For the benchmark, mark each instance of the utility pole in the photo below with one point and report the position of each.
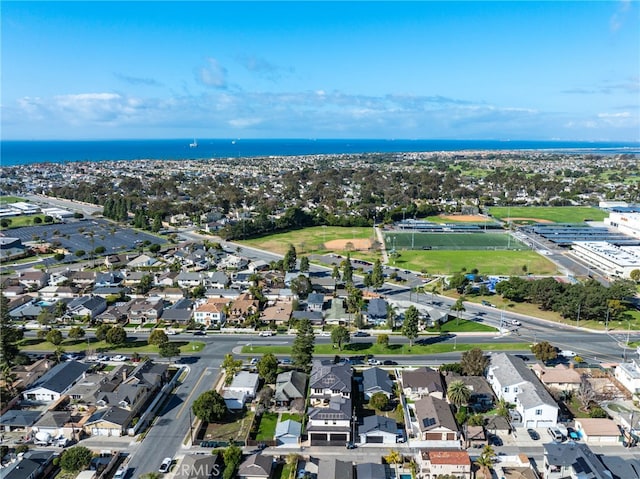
(578, 318)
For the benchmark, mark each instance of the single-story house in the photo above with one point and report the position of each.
(423, 382)
(378, 430)
(376, 380)
(370, 470)
(288, 432)
(52, 385)
(290, 385)
(598, 431)
(256, 466)
(200, 466)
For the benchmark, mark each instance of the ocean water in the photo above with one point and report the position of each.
(27, 152)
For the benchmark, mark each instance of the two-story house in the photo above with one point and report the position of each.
(423, 382)
(145, 310)
(513, 381)
(211, 313)
(436, 421)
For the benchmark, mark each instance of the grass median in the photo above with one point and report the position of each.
(392, 349)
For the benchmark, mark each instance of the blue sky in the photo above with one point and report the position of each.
(476, 70)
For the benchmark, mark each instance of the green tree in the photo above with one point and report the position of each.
(301, 286)
(473, 362)
(59, 256)
(367, 281)
(75, 459)
(145, 284)
(101, 331)
(347, 270)
(155, 248)
(303, 344)
(268, 368)
(340, 336)
(158, 337)
(231, 367)
(544, 351)
(9, 334)
(377, 275)
(80, 253)
(635, 275)
(458, 307)
(379, 401)
(304, 264)
(232, 456)
(410, 324)
(209, 406)
(391, 316)
(290, 259)
(383, 340)
(335, 273)
(458, 393)
(76, 333)
(485, 461)
(116, 335)
(54, 337)
(169, 350)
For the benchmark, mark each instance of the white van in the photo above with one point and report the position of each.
(120, 473)
(555, 434)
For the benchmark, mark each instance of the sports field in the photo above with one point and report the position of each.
(555, 214)
(4, 200)
(317, 239)
(452, 241)
(487, 262)
(466, 219)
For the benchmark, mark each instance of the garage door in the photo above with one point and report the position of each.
(545, 424)
(318, 439)
(374, 439)
(339, 438)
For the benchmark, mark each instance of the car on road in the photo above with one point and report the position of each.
(285, 361)
(266, 333)
(103, 357)
(484, 302)
(389, 362)
(533, 434)
(119, 358)
(515, 322)
(199, 333)
(253, 361)
(567, 354)
(374, 362)
(166, 465)
(323, 333)
(350, 445)
(361, 334)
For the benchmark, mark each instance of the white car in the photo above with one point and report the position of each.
(266, 333)
(166, 465)
(324, 333)
(374, 362)
(515, 322)
(567, 354)
(119, 358)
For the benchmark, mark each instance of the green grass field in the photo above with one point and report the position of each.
(5, 200)
(556, 214)
(453, 241)
(487, 262)
(308, 240)
(452, 219)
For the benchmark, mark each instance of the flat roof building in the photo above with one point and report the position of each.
(615, 261)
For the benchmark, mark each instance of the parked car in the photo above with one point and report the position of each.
(253, 361)
(533, 434)
(374, 362)
(567, 354)
(351, 445)
(166, 465)
(285, 361)
(361, 334)
(555, 434)
(119, 358)
(199, 333)
(266, 333)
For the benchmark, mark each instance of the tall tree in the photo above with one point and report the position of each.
(116, 335)
(268, 368)
(290, 259)
(232, 456)
(304, 264)
(76, 333)
(339, 336)
(209, 406)
(347, 270)
(231, 367)
(169, 350)
(544, 351)
(75, 459)
(377, 275)
(410, 325)
(473, 362)
(157, 337)
(54, 337)
(458, 307)
(458, 393)
(9, 334)
(302, 349)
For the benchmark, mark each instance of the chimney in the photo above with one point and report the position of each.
(124, 374)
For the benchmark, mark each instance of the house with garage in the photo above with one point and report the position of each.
(328, 380)
(315, 302)
(145, 310)
(85, 307)
(278, 313)
(181, 312)
(628, 374)
(243, 388)
(376, 312)
(378, 430)
(256, 466)
(559, 378)
(34, 280)
(513, 381)
(218, 280)
(189, 280)
(112, 421)
(422, 382)
(108, 280)
(436, 421)
(332, 468)
(33, 465)
(482, 397)
(572, 460)
(291, 389)
(598, 431)
(52, 385)
(434, 464)
(288, 432)
(331, 424)
(376, 380)
(211, 313)
(370, 470)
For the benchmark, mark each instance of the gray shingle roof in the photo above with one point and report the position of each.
(61, 376)
(376, 379)
(422, 378)
(290, 385)
(433, 412)
(370, 470)
(336, 377)
(378, 423)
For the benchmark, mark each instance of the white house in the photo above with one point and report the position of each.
(628, 374)
(598, 431)
(378, 430)
(288, 432)
(243, 388)
(211, 313)
(52, 385)
(514, 382)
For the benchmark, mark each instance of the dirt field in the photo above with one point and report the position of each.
(465, 218)
(341, 244)
(538, 220)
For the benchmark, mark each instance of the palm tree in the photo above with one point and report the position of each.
(484, 462)
(395, 458)
(458, 393)
(503, 408)
(458, 307)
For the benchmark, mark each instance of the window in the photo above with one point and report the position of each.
(538, 412)
(506, 389)
(515, 389)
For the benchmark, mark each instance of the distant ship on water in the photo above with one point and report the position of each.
(194, 144)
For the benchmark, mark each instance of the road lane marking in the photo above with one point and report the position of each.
(204, 374)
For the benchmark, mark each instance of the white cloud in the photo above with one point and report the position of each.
(213, 74)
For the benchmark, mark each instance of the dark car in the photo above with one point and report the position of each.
(351, 445)
(388, 362)
(533, 434)
(361, 334)
(199, 333)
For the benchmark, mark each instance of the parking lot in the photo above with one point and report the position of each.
(84, 234)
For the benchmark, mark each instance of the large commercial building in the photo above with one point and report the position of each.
(614, 261)
(627, 223)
